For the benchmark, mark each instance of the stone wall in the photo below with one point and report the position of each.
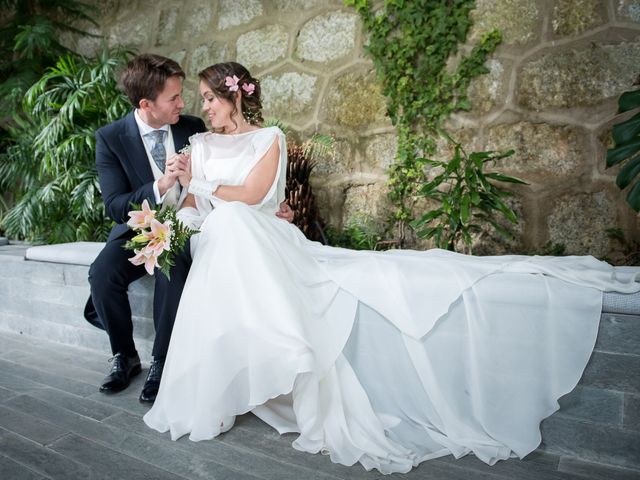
(550, 95)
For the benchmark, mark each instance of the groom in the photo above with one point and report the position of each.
(136, 160)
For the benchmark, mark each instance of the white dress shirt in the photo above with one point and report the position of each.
(171, 196)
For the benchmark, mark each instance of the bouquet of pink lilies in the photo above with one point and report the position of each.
(160, 236)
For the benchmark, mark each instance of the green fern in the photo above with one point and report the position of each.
(52, 174)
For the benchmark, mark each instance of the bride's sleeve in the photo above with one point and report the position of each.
(262, 144)
(193, 217)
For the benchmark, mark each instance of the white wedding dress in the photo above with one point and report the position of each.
(383, 358)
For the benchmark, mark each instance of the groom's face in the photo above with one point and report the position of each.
(166, 108)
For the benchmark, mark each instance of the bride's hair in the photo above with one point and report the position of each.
(216, 77)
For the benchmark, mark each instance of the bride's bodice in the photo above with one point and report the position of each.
(230, 159)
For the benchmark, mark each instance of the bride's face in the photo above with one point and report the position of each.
(218, 109)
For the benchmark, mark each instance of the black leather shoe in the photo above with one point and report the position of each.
(152, 383)
(122, 371)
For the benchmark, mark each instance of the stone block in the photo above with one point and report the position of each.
(47, 378)
(579, 222)
(35, 429)
(354, 100)
(6, 394)
(288, 94)
(76, 275)
(167, 24)
(490, 90)
(380, 151)
(613, 371)
(204, 56)
(102, 459)
(628, 10)
(572, 17)
(43, 460)
(195, 20)
(293, 5)
(631, 419)
(132, 29)
(591, 442)
(593, 404)
(4, 241)
(262, 47)
(224, 453)
(580, 77)
(91, 338)
(542, 151)
(40, 272)
(237, 12)
(327, 37)
(368, 206)
(518, 20)
(23, 291)
(340, 163)
(619, 334)
(15, 470)
(535, 466)
(595, 471)
(330, 200)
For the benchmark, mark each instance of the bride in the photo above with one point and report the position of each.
(383, 358)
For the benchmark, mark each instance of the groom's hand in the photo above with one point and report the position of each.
(285, 212)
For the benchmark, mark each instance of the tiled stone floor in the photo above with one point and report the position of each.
(54, 424)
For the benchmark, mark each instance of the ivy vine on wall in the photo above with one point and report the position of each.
(412, 44)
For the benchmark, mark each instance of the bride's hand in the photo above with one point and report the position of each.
(285, 212)
(180, 166)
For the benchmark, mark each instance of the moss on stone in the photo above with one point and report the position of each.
(571, 17)
(518, 20)
(355, 101)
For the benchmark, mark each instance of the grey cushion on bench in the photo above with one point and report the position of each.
(76, 253)
(83, 253)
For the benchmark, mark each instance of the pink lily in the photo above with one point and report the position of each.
(159, 237)
(141, 218)
(248, 88)
(232, 83)
(147, 258)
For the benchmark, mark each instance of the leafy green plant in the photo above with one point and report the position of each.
(467, 197)
(412, 45)
(30, 42)
(626, 150)
(56, 187)
(360, 233)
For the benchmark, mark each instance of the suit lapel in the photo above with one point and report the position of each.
(180, 134)
(134, 149)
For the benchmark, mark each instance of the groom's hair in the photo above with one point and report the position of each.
(144, 76)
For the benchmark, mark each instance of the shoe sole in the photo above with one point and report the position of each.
(135, 371)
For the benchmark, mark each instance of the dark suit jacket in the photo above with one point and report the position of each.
(123, 166)
(125, 174)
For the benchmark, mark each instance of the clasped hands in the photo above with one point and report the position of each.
(178, 168)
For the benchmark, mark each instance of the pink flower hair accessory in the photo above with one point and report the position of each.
(232, 83)
(249, 88)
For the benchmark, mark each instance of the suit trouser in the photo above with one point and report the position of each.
(109, 277)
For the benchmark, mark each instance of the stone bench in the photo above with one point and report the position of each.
(43, 291)
(83, 253)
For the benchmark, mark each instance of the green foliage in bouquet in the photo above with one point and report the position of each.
(50, 171)
(467, 198)
(626, 151)
(161, 236)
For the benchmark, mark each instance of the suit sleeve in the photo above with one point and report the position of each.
(117, 192)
